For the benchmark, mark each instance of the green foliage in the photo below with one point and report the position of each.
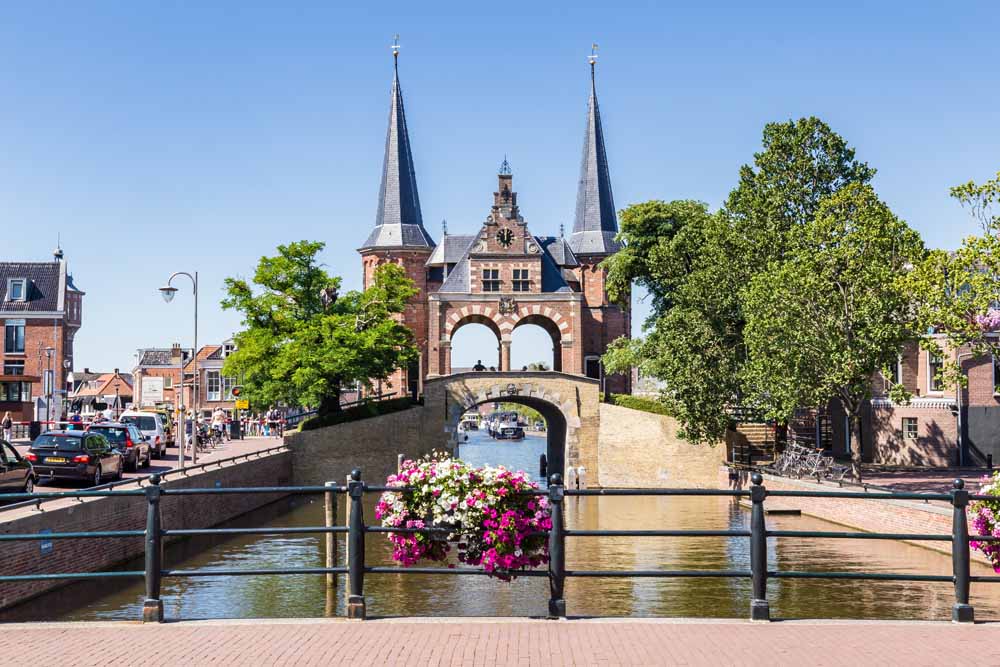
(820, 324)
(958, 294)
(641, 403)
(698, 267)
(530, 414)
(303, 341)
(357, 412)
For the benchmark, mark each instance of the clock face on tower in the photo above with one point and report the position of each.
(505, 237)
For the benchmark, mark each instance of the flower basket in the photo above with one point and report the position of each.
(492, 519)
(984, 517)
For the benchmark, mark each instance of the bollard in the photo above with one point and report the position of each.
(356, 548)
(399, 463)
(759, 609)
(152, 606)
(543, 467)
(557, 549)
(962, 611)
(330, 507)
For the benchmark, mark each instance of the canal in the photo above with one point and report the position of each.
(425, 595)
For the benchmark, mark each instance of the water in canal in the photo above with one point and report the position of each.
(419, 595)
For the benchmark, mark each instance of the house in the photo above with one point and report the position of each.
(157, 374)
(41, 311)
(214, 388)
(113, 390)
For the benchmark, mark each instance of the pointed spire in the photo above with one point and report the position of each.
(596, 223)
(398, 223)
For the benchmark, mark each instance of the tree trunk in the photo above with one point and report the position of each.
(330, 403)
(855, 425)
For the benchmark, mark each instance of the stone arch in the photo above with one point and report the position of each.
(476, 318)
(569, 403)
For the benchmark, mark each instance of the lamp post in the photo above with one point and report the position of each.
(168, 291)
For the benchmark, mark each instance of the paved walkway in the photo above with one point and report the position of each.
(500, 642)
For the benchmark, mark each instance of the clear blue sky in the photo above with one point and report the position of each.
(160, 136)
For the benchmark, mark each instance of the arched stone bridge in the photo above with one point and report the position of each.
(569, 403)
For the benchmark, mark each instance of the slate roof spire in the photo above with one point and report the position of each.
(596, 222)
(398, 222)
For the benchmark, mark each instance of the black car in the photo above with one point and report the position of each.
(16, 474)
(79, 455)
(127, 439)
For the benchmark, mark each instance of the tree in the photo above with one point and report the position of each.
(958, 293)
(303, 341)
(821, 324)
(698, 265)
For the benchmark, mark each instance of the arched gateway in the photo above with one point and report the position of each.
(569, 403)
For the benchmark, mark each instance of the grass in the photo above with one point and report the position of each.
(641, 403)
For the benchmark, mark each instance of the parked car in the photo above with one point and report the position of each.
(127, 439)
(151, 424)
(16, 473)
(76, 455)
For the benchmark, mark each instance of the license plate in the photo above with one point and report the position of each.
(55, 459)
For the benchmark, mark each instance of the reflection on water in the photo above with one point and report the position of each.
(425, 595)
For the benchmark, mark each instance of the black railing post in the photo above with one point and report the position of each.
(759, 609)
(962, 611)
(356, 548)
(557, 548)
(152, 607)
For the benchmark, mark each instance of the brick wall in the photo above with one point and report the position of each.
(641, 449)
(126, 513)
(329, 454)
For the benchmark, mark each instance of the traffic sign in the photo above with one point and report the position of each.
(243, 404)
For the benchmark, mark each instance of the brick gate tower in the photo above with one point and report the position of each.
(503, 276)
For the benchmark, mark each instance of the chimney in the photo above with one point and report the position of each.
(175, 351)
(86, 370)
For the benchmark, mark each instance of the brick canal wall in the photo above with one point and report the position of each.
(873, 516)
(125, 513)
(329, 454)
(641, 449)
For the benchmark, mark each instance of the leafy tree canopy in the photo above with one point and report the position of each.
(303, 341)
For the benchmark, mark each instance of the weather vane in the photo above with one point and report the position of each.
(593, 54)
(395, 46)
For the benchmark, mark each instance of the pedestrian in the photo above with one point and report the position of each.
(479, 366)
(8, 427)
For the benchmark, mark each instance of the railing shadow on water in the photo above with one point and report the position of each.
(356, 530)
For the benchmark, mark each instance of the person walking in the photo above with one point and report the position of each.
(8, 427)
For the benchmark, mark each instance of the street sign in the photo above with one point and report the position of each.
(45, 546)
(243, 404)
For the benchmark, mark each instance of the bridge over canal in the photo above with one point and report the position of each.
(569, 403)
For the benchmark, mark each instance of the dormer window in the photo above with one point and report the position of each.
(17, 289)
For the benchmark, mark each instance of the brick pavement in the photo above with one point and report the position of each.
(500, 642)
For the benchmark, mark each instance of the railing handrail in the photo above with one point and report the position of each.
(356, 529)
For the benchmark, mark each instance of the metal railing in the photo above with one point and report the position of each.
(556, 572)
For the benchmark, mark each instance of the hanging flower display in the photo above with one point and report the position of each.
(984, 516)
(484, 511)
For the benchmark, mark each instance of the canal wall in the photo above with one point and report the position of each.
(642, 449)
(125, 513)
(329, 454)
(872, 516)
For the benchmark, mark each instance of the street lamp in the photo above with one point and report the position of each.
(168, 291)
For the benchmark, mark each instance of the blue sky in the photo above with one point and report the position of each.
(163, 136)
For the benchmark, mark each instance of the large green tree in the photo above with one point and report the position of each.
(822, 323)
(698, 266)
(303, 341)
(958, 293)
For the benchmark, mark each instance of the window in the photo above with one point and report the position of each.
(13, 368)
(213, 387)
(227, 387)
(592, 367)
(934, 364)
(17, 289)
(996, 375)
(228, 349)
(168, 382)
(13, 337)
(521, 281)
(491, 280)
(909, 428)
(15, 392)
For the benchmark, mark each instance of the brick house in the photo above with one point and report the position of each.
(91, 390)
(504, 276)
(41, 311)
(214, 388)
(157, 374)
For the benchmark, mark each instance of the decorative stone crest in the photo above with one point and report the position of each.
(508, 306)
(512, 389)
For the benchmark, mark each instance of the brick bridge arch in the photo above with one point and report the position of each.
(569, 403)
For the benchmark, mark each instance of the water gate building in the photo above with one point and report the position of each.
(505, 276)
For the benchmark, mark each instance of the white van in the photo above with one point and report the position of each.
(151, 425)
